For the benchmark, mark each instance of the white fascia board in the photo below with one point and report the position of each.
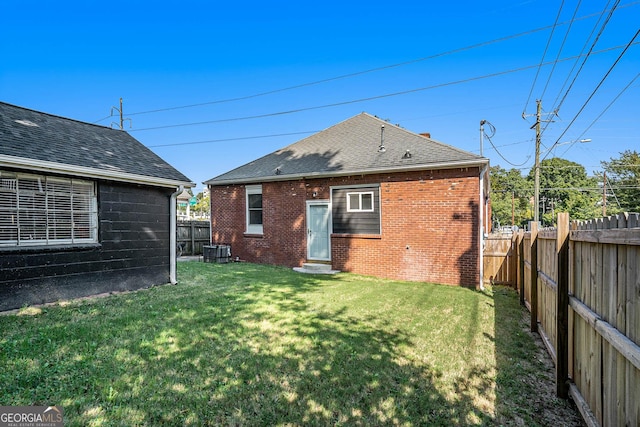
(85, 172)
(432, 166)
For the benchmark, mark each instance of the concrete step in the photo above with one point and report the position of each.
(315, 268)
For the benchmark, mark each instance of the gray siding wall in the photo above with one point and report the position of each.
(132, 252)
(345, 222)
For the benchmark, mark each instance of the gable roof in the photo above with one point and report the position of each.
(39, 141)
(351, 147)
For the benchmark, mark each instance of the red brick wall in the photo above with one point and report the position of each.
(283, 241)
(429, 226)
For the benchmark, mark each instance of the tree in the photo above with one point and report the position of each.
(565, 187)
(510, 197)
(623, 176)
(202, 206)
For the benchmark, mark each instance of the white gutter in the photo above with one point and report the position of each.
(115, 175)
(210, 219)
(173, 235)
(481, 214)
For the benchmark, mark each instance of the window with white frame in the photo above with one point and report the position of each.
(45, 210)
(360, 201)
(254, 209)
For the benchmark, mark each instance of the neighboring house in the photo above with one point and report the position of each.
(362, 196)
(183, 203)
(84, 209)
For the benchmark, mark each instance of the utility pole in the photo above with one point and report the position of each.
(536, 182)
(536, 179)
(513, 208)
(604, 194)
(482, 122)
(122, 119)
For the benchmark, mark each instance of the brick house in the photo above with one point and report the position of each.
(362, 196)
(84, 209)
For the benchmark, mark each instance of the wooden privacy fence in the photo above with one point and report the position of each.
(499, 261)
(193, 235)
(581, 283)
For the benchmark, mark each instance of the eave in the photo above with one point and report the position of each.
(313, 175)
(85, 172)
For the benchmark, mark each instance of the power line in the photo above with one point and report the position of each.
(349, 75)
(493, 132)
(586, 42)
(233, 139)
(605, 110)
(593, 45)
(564, 40)
(355, 101)
(631, 42)
(542, 59)
(508, 145)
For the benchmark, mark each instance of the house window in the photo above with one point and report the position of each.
(254, 209)
(360, 202)
(44, 210)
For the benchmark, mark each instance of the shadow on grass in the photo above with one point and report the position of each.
(525, 387)
(229, 347)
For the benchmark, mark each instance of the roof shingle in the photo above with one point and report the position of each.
(352, 146)
(63, 142)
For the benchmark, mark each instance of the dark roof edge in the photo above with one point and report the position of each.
(448, 165)
(44, 166)
(44, 113)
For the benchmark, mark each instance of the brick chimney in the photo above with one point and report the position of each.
(426, 134)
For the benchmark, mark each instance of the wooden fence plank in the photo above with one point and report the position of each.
(629, 349)
(614, 237)
(534, 276)
(595, 369)
(586, 274)
(521, 265)
(562, 306)
(609, 283)
(610, 387)
(633, 333)
(633, 294)
(499, 260)
(632, 400)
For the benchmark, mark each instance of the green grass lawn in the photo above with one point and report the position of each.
(243, 344)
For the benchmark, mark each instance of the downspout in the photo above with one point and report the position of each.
(481, 209)
(173, 214)
(210, 219)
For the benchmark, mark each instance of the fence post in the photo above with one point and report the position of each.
(562, 316)
(534, 276)
(521, 265)
(193, 238)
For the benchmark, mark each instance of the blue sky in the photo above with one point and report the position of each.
(438, 67)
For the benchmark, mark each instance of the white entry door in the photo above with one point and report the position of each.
(318, 231)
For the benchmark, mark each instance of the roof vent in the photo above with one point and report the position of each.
(406, 155)
(27, 123)
(381, 147)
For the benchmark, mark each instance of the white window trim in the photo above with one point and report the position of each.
(253, 228)
(49, 241)
(359, 208)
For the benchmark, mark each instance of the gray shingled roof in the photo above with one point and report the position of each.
(40, 140)
(350, 147)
